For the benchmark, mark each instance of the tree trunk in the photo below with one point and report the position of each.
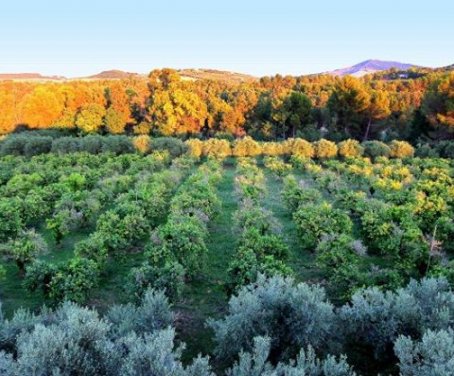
(366, 135)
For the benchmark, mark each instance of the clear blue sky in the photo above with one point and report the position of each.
(81, 37)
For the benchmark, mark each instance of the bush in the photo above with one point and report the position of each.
(174, 146)
(292, 315)
(217, 148)
(432, 355)
(325, 149)
(169, 278)
(315, 220)
(255, 363)
(374, 319)
(14, 145)
(401, 149)
(246, 147)
(375, 149)
(142, 143)
(65, 145)
(195, 147)
(92, 144)
(38, 145)
(117, 145)
(74, 280)
(350, 148)
(426, 151)
(445, 149)
(299, 147)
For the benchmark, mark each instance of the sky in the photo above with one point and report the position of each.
(76, 38)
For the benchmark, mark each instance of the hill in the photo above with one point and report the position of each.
(29, 77)
(113, 74)
(370, 66)
(215, 75)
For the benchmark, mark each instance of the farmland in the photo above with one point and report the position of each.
(327, 227)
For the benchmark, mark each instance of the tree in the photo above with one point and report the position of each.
(295, 109)
(438, 106)
(90, 118)
(113, 122)
(349, 102)
(379, 108)
(25, 248)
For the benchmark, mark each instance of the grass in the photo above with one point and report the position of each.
(206, 296)
(301, 261)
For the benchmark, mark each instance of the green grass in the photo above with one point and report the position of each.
(300, 260)
(206, 296)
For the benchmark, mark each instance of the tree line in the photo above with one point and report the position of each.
(311, 107)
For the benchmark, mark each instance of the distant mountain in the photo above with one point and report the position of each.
(29, 77)
(370, 66)
(113, 74)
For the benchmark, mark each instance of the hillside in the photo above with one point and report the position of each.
(28, 77)
(113, 74)
(216, 75)
(370, 66)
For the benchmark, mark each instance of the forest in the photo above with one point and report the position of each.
(151, 255)
(415, 105)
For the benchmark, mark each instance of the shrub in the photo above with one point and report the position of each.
(74, 280)
(292, 315)
(255, 363)
(445, 149)
(401, 149)
(65, 145)
(92, 144)
(375, 149)
(296, 193)
(426, 151)
(350, 148)
(432, 355)
(299, 147)
(246, 147)
(374, 319)
(14, 145)
(168, 277)
(25, 248)
(325, 149)
(315, 220)
(38, 145)
(195, 147)
(217, 148)
(117, 144)
(142, 143)
(10, 219)
(273, 149)
(174, 146)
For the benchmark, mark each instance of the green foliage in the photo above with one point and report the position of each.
(169, 277)
(256, 364)
(432, 355)
(10, 220)
(375, 149)
(295, 315)
(174, 146)
(374, 319)
(296, 193)
(74, 280)
(25, 248)
(314, 220)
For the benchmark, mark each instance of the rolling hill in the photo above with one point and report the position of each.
(370, 66)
